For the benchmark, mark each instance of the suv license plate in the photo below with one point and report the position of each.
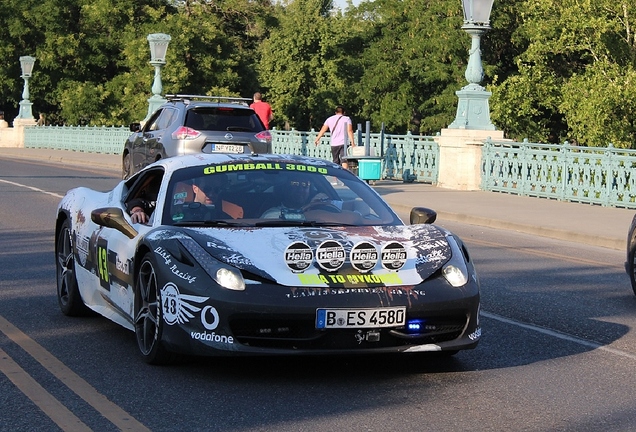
(226, 148)
(360, 318)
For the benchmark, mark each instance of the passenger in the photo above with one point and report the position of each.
(208, 190)
(140, 209)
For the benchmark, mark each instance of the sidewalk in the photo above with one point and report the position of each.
(581, 223)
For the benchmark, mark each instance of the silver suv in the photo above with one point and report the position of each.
(188, 124)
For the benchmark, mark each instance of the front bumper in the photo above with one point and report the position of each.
(271, 319)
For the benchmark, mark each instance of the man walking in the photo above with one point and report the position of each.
(340, 127)
(263, 109)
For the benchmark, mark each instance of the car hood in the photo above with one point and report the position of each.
(322, 257)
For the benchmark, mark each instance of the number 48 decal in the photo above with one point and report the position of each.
(102, 264)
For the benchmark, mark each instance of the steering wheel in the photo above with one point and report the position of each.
(322, 205)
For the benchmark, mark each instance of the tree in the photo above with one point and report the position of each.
(301, 66)
(413, 63)
(576, 52)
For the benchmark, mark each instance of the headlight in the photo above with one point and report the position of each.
(230, 278)
(226, 276)
(455, 270)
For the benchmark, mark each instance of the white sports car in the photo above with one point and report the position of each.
(263, 254)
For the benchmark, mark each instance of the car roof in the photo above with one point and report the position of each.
(202, 159)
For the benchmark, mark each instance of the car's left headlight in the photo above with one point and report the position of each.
(455, 270)
(226, 276)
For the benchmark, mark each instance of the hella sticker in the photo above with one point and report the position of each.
(298, 256)
(330, 255)
(363, 257)
(393, 256)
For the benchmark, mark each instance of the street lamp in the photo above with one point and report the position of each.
(26, 63)
(158, 48)
(473, 111)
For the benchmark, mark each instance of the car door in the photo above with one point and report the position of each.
(114, 251)
(160, 143)
(149, 147)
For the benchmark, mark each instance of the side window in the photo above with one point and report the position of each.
(165, 118)
(152, 123)
(146, 188)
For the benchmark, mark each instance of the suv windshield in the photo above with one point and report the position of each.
(272, 194)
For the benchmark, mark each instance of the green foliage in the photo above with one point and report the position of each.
(573, 52)
(300, 64)
(601, 105)
(413, 63)
(557, 70)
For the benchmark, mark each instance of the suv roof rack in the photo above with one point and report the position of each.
(219, 99)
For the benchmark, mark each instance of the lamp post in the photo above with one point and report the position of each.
(158, 48)
(26, 63)
(473, 111)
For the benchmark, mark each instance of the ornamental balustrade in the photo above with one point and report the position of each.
(90, 139)
(403, 157)
(564, 172)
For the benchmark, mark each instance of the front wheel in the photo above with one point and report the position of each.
(148, 321)
(126, 170)
(68, 295)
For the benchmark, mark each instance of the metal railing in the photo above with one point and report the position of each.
(404, 157)
(564, 172)
(594, 175)
(90, 139)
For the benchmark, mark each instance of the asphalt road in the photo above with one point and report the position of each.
(557, 354)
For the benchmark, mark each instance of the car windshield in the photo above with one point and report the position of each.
(281, 193)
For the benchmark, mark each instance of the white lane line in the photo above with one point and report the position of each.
(32, 188)
(559, 335)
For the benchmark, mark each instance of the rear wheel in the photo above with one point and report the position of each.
(148, 321)
(68, 295)
(631, 265)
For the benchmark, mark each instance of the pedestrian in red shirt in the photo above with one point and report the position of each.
(263, 109)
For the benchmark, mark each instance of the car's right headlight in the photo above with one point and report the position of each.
(455, 270)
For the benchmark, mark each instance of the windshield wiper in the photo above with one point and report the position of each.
(210, 223)
(288, 222)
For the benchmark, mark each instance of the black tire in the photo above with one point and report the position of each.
(147, 319)
(68, 295)
(126, 167)
(631, 266)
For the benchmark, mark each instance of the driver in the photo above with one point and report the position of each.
(295, 191)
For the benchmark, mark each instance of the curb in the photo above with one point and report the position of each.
(552, 233)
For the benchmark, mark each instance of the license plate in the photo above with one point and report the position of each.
(226, 148)
(360, 318)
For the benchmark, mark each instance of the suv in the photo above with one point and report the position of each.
(188, 124)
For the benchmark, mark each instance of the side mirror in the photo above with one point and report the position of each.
(135, 127)
(422, 215)
(113, 217)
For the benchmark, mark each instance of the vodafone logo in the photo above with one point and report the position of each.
(209, 318)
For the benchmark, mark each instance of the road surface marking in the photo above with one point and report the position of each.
(32, 188)
(84, 390)
(559, 335)
(65, 419)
